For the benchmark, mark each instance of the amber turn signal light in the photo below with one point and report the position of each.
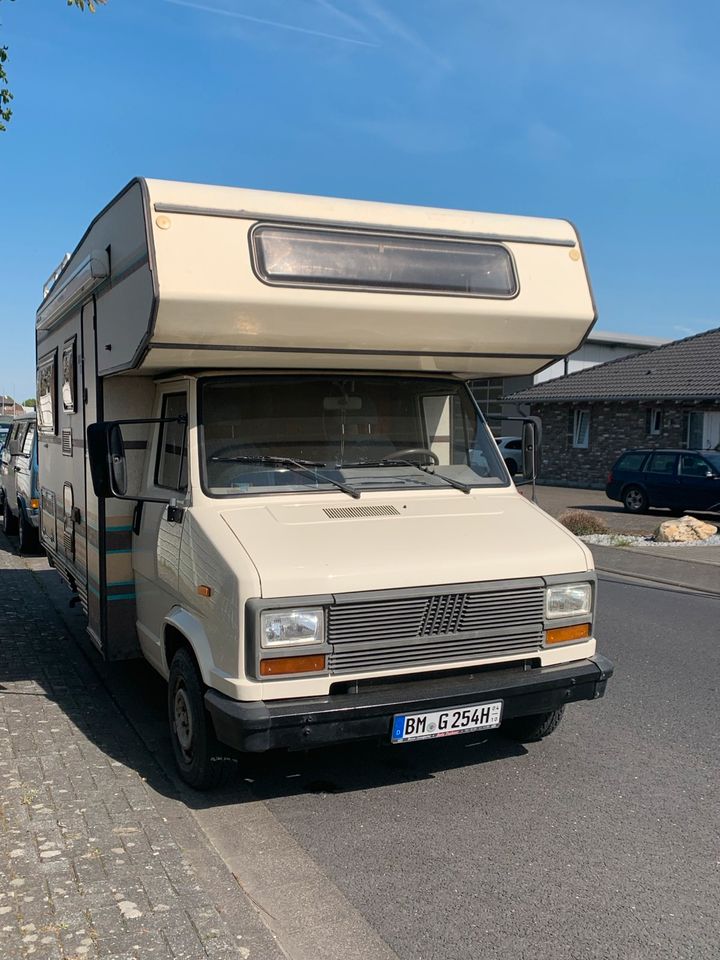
(204, 590)
(578, 631)
(279, 665)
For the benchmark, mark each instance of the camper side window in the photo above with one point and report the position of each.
(171, 463)
(46, 393)
(68, 376)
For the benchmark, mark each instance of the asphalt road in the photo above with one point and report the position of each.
(601, 842)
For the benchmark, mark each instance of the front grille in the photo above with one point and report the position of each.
(441, 628)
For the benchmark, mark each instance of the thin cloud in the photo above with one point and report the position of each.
(347, 18)
(396, 28)
(217, 11)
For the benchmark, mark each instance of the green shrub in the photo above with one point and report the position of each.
(582, 523)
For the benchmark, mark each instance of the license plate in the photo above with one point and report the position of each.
(446, 723)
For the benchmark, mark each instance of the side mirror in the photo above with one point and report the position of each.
(108, 466)
(118, 465)
(531, 436)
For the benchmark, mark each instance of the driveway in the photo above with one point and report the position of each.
(555, 500)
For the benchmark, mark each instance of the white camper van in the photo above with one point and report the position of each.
(262, 469)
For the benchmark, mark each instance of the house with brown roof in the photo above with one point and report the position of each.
(666, 397)
(9, 407)
(598, 347)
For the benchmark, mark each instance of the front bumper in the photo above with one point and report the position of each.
(314, 721)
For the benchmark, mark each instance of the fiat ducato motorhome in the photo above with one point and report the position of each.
(262, 469)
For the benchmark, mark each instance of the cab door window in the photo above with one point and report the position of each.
(171, 461)
(27, 446)
(662, 463)
(693, 466)
(16, 438)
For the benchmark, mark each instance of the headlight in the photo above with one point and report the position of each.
(291, 628)
(568, 600)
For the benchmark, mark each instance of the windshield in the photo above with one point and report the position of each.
(293, 433)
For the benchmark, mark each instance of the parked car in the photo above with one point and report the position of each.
(4, 431)
(511, 451)
(678, 479)
(19, 499)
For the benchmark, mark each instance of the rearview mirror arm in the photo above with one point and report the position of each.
(171, 501)
(537, 428)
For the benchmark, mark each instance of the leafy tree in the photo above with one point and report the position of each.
(5, 95)
(30, 402)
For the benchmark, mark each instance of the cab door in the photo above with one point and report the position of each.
(157, 530)
(11, 463)
(661, 481)
(24, 467)
(699, 487)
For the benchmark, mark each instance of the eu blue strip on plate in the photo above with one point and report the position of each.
(398, 728)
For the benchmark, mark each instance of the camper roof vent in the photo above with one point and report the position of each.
(374, 510)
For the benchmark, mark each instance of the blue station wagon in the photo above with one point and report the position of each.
(678, 479)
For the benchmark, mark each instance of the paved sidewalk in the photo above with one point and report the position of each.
(94, 860)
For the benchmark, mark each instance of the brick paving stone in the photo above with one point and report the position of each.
(94, 863)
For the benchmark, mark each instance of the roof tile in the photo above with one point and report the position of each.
(686, 369)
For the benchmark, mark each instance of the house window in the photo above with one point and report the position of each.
(654, 421)
(68, 376)
(581, 428)
(488, 394)
(693, 423)
(46, 393)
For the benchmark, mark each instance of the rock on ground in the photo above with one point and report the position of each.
(684, 530)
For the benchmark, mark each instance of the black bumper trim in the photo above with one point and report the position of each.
(312, 721)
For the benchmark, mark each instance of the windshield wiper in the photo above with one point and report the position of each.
(394, 461)
(301, 466)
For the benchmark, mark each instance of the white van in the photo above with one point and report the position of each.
(262, 469)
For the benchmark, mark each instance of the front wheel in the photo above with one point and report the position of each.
(197, 753)
(27, 535)
(10, 524)
(534, 728)
(635, 500)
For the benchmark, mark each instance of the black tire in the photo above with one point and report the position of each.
(635, 500)
(533, 728)
(10, 524)
(27, 535)
(198, 756)
(512, 466)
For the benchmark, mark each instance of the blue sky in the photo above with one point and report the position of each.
(601, 111)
